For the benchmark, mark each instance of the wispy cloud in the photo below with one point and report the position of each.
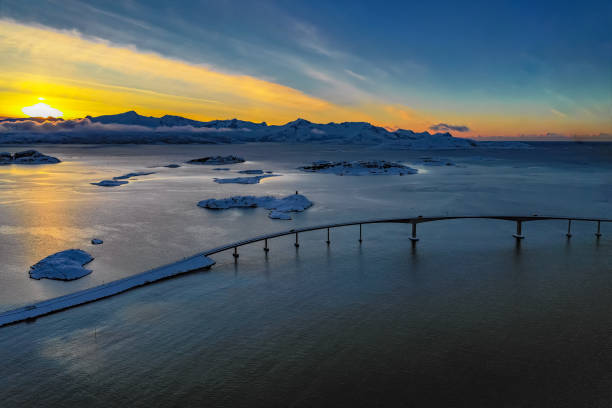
(558, 113)
(309, 37)
(355, 75)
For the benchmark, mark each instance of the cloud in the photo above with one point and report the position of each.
(42, 110)
(444, 127)
(558, 113)
(41, 56)
(83, 75)
(308, 36)
(355, 75)
(85, 125)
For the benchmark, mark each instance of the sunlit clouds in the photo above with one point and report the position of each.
(42, 110)
(77, 75)
(92, 76)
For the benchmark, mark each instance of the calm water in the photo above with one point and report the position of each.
(466, 318)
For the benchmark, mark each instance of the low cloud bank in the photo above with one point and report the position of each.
(86, 125)
(445, 127)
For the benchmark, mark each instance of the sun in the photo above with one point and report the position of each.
(42, 110)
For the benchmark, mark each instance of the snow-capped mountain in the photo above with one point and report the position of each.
(127, 118)
(130, 127)
(133, 118)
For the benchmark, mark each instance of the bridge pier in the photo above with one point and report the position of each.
(266, 249)
(360, 240)
(328, 241)
(413, 237)
(598, 233)
(519, 231)
(297, 244)
(235, 254)
(569, 229)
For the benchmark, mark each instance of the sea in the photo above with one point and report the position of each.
(465, 317)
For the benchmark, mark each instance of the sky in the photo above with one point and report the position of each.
(475, 68)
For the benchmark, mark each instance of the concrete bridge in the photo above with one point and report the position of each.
(202, 261)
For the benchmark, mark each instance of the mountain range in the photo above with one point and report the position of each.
(130, 127)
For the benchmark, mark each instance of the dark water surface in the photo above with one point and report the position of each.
(466, 318)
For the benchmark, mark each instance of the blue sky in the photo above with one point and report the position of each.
(467, 62)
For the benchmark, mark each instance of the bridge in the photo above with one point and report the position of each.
(202, 261)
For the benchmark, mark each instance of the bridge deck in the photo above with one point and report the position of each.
(201, 261)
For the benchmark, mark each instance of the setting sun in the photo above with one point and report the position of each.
(42, 110)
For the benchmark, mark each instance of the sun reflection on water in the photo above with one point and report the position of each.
(41, 208)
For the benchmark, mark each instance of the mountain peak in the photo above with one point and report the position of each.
(299, 122)
(127, 118)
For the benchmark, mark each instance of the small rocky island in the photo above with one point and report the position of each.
(359, 168)
(27, 157)
(120, 180)
(65, 265)
(217, 160)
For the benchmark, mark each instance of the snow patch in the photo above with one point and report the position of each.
(64, 265)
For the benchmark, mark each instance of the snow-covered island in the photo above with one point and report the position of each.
(280, 207)
(244, 180)
(359, 168)
(27, 157)
(217, 160)
(64, 265)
